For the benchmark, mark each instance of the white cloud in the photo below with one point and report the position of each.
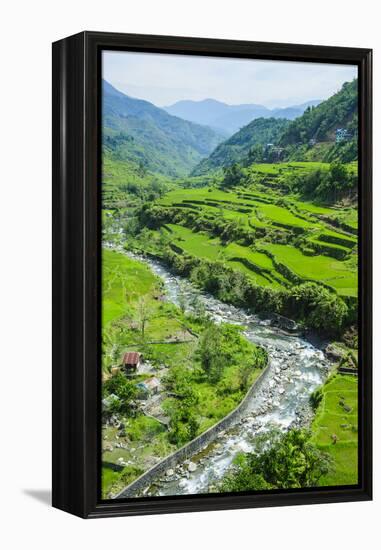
(164, 79)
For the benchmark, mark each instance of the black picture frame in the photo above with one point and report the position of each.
(76, 272)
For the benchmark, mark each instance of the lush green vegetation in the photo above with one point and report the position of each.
(334, 273)
(126, 183)
(268, 221)
(259, 132)
(204, 370)
(319, 124)
(274, 241)
(280, 461)
(256, 265)
(328, 185)
(310, 137)
(335, 428)
(137, 131)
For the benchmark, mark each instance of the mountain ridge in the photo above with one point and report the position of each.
(136, 130)
(310, 137)
(231, 118)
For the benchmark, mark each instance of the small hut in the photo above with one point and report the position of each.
(131, 361)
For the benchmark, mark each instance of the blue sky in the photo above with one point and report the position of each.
(164, 79)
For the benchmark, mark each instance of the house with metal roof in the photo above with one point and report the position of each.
(131, 361)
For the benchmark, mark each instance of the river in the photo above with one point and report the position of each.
(296, 369)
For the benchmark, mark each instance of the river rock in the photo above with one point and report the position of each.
(334, 353)
(281, 390)
(192, 467)
(169, 472)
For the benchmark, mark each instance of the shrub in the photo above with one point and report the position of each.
(222, 346)
(320, 308)
(282, 461)
(124, 390)
(315, 398)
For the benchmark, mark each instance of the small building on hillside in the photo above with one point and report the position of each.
(152, 385)
(148, 387)
(131, 361)
(343, 134)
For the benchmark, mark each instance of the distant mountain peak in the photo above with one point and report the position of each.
(136, 130)
(230, 118)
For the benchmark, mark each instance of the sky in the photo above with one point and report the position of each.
(164, 79)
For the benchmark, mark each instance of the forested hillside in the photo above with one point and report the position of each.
(260, 131)
(314, 136)
(135, 130)
(314, 133)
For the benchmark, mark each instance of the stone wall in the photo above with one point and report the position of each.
(194, 446)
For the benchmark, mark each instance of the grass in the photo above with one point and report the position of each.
(197, 244)
(121, 180)
(313, 208)
(335, 273)
(289, 167)
(283, 216)
(262, 210)
(234, 255)
(122, 279)
(337, 415)
(257, 278)
(312, 240)
(125, 282)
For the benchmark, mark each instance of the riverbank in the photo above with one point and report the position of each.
(134, 443)
(189, 457)
(296, 368)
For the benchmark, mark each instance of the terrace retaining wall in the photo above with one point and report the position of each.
(194, 446)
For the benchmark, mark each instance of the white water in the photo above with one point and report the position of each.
(296, 369)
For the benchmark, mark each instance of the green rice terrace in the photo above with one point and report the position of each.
(274, 238)
(335, 427)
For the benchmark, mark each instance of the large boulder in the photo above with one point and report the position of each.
(281, 322)
(192, 467)
(334, 352)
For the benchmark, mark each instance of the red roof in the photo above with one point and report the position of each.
(131, 358)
